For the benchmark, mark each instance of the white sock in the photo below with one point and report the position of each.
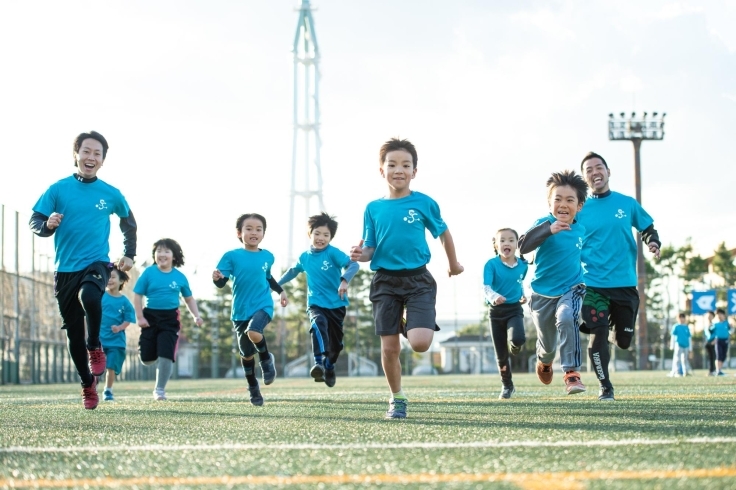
(163, 372)
(399, 394)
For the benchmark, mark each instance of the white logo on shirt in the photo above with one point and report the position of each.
(620, 214)
(325, 265)
(174, 285)
(520, 280)
(413, 216)
(102, 205)
(579, 245)
(583, 264)
(265, 267)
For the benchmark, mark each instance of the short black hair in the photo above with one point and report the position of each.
(591, 155)
(91, 135)
(172, 245)
(122, 275)
(322, 219)
(721, 311)
(569, 178)
(493, 240)
(395, 144)
(243, 217)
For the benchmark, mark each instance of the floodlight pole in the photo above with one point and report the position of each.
(637, 130)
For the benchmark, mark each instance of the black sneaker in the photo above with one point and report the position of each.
(330, 377)
(506, 392)
(605, 394)
(255, 395)
(514, 349)
(268, 369)
(317, 372)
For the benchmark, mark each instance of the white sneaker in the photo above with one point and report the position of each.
(159, 395)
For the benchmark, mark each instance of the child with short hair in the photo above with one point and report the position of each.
(680, 341)
(161, 284)
(719, 335)
(710, 343)
(396, 246)
(327, 287)
(117, 314)
(249, 267)
(558, 287)
(503, 290)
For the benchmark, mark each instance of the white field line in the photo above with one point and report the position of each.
(340, 447)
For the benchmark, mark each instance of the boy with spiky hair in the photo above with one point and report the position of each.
(327, 287)
(76, 210)
(558, 288)
(395, 244)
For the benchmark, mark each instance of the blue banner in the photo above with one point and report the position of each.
(703, 302)
(731, 293)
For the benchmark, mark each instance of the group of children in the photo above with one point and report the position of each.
(716, 337)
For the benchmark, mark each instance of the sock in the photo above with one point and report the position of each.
(262, 350)
(163, 372)
(90, 297)
(318, 359)
(399, 394)
(78, 351)
(505, 371)
(600, 354)
(328, 365)
(249, 366)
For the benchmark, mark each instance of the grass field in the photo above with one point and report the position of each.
(660, 433)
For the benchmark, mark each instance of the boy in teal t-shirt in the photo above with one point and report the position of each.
(117, 314)
(680, 343)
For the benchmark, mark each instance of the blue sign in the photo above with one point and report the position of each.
(703, 302)
(731, 293)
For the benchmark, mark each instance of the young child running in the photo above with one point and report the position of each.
(503, 291)
(162, 284)
(680, 343)
(396, 246)
(252, 306)
(557, 285)
(117, 314)
(327, 288)
(719, 335)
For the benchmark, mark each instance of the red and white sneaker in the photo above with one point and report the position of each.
(89, 395)
(97, 361)
(572, 383)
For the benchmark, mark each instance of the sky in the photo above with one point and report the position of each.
(195, 99)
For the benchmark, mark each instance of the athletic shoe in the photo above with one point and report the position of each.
(572, 383)
(108, 395)
(268, 369)
(506, 392)
(605, 394)
(720, 373)
(97, 361)
(397, 408)
(712, 373)
(89, 395)
(514, 349)
(544, 372)
(317, 372)
(255, 395)
(330, 377)
(159, 395)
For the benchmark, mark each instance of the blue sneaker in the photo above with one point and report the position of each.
(255, 395)
(720, 373)
(268, 369)
(108, 395)
(317, 372)
(397, 408)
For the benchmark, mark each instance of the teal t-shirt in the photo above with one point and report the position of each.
(115, 310)
(249, 273)
(506, 281)
(162, 289)
(324, 272)
(609, 252)
(83, 236)
(558, 267)
(719, 330)
(681, 332)
(395, 228)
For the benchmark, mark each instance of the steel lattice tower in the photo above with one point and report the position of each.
(305, 159)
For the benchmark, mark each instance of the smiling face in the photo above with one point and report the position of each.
(321, 237)
(398, 169)
(564, 203)
(113, 284)
(164, 258)
(596, 174)
(251, 233)
(506, 243)
(89, 158)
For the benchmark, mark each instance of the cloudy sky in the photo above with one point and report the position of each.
(195, 99)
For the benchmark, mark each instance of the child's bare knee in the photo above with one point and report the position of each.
(255, 336)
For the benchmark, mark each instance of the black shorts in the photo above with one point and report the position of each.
(721, 346)
(66, 290)
(615, 308)
(161, 337)
(393, 291)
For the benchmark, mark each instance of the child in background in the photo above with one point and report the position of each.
(162, 284)
(710, 343)
(252, 306)
(680, 343)
(720, 333)
(117, 314)
(327, 287)
(503, 276)
(558, 278)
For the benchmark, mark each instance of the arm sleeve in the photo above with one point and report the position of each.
(650, 235)
(533, 238)
(220, 283)
(490, 295)
(38, 226)
(275, 285)
(130, 233)
(288, 276)
(350, 271)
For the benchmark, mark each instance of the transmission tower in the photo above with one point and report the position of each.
(306, 173)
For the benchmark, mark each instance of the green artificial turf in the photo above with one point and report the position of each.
(457, 429)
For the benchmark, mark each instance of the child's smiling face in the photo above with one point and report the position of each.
(113, 284)
(321, 237)
(506, 243)
(251, 233)
(164, 258)
(564, 203)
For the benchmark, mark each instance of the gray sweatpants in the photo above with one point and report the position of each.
(558, 315)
